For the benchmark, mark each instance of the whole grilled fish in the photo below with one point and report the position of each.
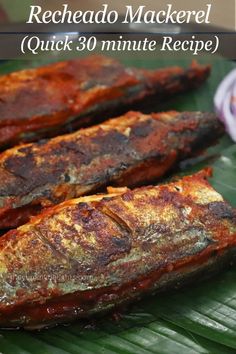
(44, 101)
(129, 150)
(92, 254)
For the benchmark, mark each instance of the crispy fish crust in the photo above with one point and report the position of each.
(91, 254)
(129, 150)
(37, 102)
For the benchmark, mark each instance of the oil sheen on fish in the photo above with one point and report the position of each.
(92, 254)
(44, 101)
(129, 150)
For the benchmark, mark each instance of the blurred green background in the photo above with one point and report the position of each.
(14, 10)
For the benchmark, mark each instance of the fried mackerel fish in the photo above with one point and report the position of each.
(92, 254)
(129, 150)
(48, 100)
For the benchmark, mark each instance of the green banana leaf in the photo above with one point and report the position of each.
(200, 318)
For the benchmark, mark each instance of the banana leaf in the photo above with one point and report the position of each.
(196, 319)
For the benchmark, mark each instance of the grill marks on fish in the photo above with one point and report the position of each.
(104, 238)
(115, 248)
(132, 149)
(38, 102)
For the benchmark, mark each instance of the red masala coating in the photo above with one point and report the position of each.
(129, 150)
(39, 102)
(91, 254)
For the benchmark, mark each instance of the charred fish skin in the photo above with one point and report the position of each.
(89, 255)
(46, 101)
(127, 151)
